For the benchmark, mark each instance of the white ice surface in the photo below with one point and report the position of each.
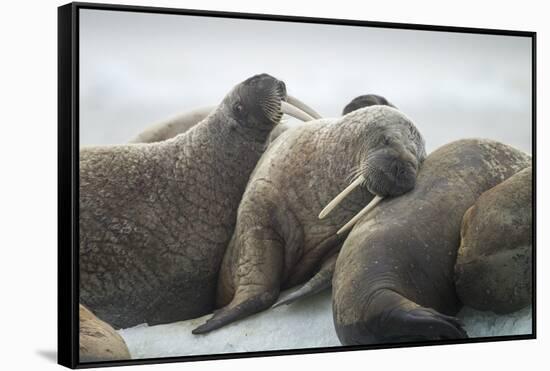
(304, 324)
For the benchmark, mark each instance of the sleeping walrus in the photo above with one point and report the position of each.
(279, 241)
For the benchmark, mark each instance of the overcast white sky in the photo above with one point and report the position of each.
(137, 69)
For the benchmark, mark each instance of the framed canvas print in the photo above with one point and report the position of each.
(236, 185)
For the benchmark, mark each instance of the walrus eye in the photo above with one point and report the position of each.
(386, 141)
(239, 109)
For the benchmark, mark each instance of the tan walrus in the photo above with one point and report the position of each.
(279, 241)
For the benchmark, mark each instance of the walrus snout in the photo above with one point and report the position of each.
(386, 172)
(390, 173)
(267, 86)
(402, 178)
(272, 100)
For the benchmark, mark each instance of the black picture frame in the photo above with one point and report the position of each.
(68, 180)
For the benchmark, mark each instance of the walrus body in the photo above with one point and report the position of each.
(279, 241)
(172, 127)
(494, 263)
(98, 341)
(155, 218)
(394, 277)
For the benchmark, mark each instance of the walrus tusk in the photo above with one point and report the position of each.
(301, 105)
(336, 200)
(365, 210)
(295, 112)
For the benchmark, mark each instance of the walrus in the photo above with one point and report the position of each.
(494, 265)
(323, 278)
(365, 101)
(98, 341)
(278, 240)
(155, 218)
(394, 276)
(183, 122)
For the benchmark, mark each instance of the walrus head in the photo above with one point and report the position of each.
(365, 101)
(260, 101)
(393, 152)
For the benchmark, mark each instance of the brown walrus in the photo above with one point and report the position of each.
(279, 241)
(394, 276)
(155, 218)
(98, 341)
(494, 264)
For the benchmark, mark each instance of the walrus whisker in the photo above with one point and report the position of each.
(295, 112)
(336, 200)
(301, 105)
(375, 201)
(356, 171)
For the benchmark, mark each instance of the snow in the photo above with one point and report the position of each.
(303, 324)
(481, 324)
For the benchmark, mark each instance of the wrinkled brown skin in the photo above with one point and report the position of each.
(279, 241)
(172, 127)
(155, 218)
(394, 277)
(494, 264)
(98, 341)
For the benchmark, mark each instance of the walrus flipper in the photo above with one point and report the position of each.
(258, 278)
(392, 318)
(321, 281)
(403, 320)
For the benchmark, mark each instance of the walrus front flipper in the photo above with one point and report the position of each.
(392, 318)
(321, 281)
(257, 282)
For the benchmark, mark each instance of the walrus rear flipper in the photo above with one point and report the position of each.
(392, 318)
(257, 284)
(321, 281)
